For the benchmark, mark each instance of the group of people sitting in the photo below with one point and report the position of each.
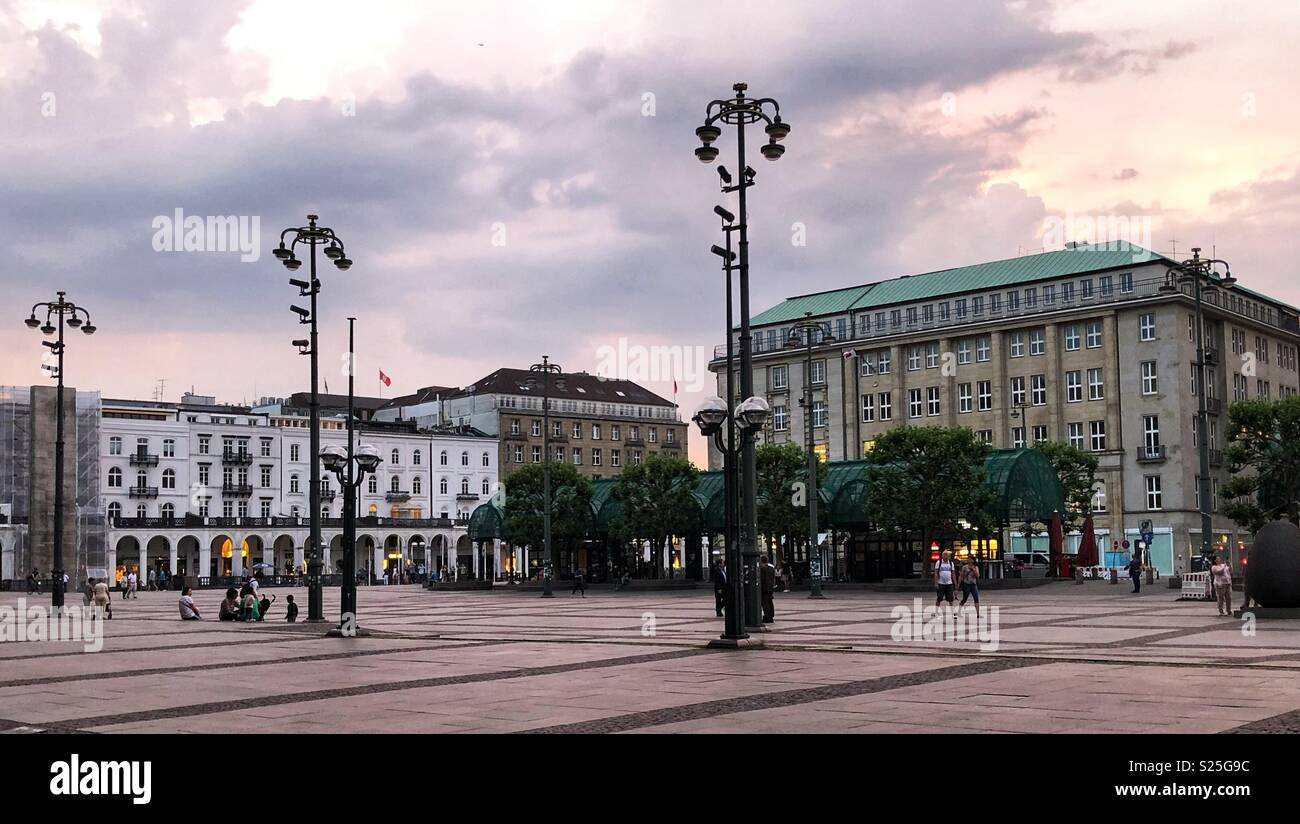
(245, 604)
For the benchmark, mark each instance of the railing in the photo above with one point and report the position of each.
(143, 459)
(1150, 454)
(238, 457)
(867, 329)
(237, 490)
(143, 491)
(466, 496)
(397, 495)
(189, 521)
(670, 445)
(634, 442)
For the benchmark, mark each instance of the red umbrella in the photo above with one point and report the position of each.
(1088, 546)
(1056, 545)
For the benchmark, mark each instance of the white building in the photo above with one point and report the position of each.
(184, 484)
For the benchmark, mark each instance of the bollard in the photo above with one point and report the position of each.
(1114, 575)
(1151, 575)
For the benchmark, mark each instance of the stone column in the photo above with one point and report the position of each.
(171, 557)
(205, 560)
(236, 556)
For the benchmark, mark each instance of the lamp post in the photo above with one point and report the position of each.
(710, 417)
(1199, 272)
(312, 236)
(69, 314)
(350, 466)
(740, 111)
(546, 369)
(807, 333)
(1018, 412)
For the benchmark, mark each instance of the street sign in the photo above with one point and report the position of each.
(1147, 537)
(815, 567)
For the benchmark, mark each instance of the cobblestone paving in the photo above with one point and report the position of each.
(1068, 658)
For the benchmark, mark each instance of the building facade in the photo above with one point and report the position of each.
(1092, 345)
(598, 425)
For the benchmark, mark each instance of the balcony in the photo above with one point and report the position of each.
(237, 457)
(143, 459)
(670, 445)
(466, 496)
(397, 496)
(1151, 454)
(634, 442)
(143, 491)
(237, 490)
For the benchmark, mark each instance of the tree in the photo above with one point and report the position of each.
(1263, 454)
(925, 481)
(1078, 473)
(658, 501)
(570, 507)
(783, 492)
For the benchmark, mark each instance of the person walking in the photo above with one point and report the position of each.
(33, 582)
(767, 582)
(1221, 574)
(945, 577)
(1135, 572)
(102, 599)
(970, 584)
(132, 581)
(719, 586)
(149, 583)
(579, 584)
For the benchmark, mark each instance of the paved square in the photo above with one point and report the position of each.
(1090, 658)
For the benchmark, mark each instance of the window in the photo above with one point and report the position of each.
(169, 479)
(911, 316)
(914, 403)
(1067, 292)
(977, 306)
(961, 308)
(537, 454)
(1126, 282)
(1049, 295)
(1017, 437)
(965, 398)
(1151, 434)
(595, 457)
(1073, 386)
(1147, 327)
(1017, 391)
(442, 457)
(1031, 297)
(485, 487)
(205, 444)
(932, 356)
(995, 303)
(1150, 381)
(266, 447)
(913, 358)
(1096, 387)
(780, 418)
(536, 430)
(883, 362)
(1099, 497)
(394, 484)
(1107, 286)
(595, 431)
(417, 487)
(577, 456)
(886, 406)
(614, 432)
(1016, 344)
(985, 435)
(442, 484)
(985, 390)
(169, 448)
(519, 454)
(114, 478)
(963, 351)
(372, 485)
(514, 426)
(1037, 342)
(1040, 434)
(1155, 499)
(932, 400)
(293, 484)
(780, 377)
(1072, 337)
(557, 429)
(615, 457)
(115, 445)
(819, 413)
(943, 310)
(1075, 435)
(983, 346)
(818, 372)
(486, 460)
(1094, 334)
(1038, 390)
(293, 452)
(464, 459)
(868, 408)
(204, 469)
(577, 431)
(1085, 288)
(266, 477)
(416, 457)
(1098, 431)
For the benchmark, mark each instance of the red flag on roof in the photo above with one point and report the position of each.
(384, 379)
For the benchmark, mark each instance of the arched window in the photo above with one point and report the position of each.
(396, 459)
(464, 459)
(169, 479)
(464, 486)
(442, 486)
(325, 511)
(487, 487)
(486, 460)
(293, 484)
(373, 510)
(294, 510)
(372, 485)
(395, 484)
(114, 511)
(443, 458)
(415, 458)
(168, 511)
(115, 478)
(416, 486)
(142, 511)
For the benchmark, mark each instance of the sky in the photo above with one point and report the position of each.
(516, 179)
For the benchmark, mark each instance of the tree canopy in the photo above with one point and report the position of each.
(570, 506)
(1078, 473)
(657, 500)
(1263, 454)
(783, 493)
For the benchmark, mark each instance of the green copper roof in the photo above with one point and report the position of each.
(998, 273)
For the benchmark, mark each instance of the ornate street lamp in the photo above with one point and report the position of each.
(740, 111)
(312, 236)
(809, 333)
(1202, 275)
(350, 466)
(69, 314)
(546, 369)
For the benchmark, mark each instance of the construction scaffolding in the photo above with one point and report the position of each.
(92, 532)
(15, 474)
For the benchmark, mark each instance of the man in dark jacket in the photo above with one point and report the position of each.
(1135, 572)
(767, 578)
(719, 585)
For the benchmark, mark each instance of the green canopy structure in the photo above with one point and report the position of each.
(1025, 487)
(487, 522)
